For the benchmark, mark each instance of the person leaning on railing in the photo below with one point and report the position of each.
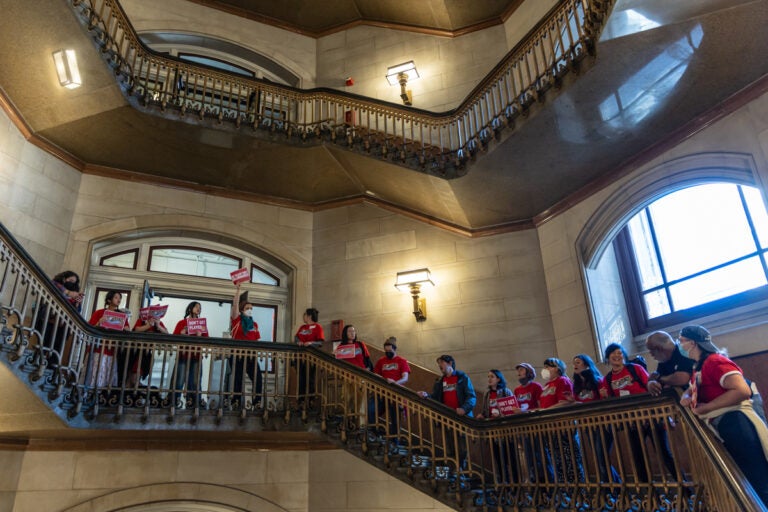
(558, 392)
(395, 370)
(356, 397)
(625, 379)
(586, 388)
(673, 368)
(68, 285)
(528, 394)
(719, 395)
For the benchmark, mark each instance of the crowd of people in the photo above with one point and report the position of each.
(714, 388)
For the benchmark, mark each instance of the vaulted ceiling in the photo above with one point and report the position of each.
(663, 70)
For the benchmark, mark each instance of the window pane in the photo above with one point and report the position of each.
(656, 303)
(124, 260)
(757, 211)
(192, 262)
(700, 227)
(260, 276)
(645, 254)
(739, 277)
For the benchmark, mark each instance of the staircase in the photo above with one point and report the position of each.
(440, 144)
(537, 461)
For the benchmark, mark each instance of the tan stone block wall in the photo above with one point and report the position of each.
(488, 308)
(38, 197)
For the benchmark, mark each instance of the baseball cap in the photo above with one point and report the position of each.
(700, 336)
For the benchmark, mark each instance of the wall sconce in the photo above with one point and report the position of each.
(411, 280)
(66, 68)
(400, 74)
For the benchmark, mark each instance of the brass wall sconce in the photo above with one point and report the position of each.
(411, 280)
(66, 68)
(400, 74)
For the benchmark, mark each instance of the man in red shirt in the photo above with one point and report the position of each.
(395, 370)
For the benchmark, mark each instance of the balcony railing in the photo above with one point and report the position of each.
(439, 144)
(604, 456)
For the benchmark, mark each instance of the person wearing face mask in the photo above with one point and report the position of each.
(558, 392)
(54, 333)
(719, 395)
(673, 369)
(395, 370)
(244, 328)
(528, 394)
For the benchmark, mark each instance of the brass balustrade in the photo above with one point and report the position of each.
(440, 144)
(578, 457)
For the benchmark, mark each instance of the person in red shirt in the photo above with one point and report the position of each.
(503, 449)
(586, 388)
(130, 360)
(188, 361)
(558, 392)
(244, 328)
(528, 394)
(625, 380)
(309, 335)
(357, 399)
(103, 372)
(719, 395)
(395, 370)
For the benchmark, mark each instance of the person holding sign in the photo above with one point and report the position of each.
(128, 360)
(244, 328)
(188, 361)
(395, 370)
(102, 370)
(355, 352)
(500, 401)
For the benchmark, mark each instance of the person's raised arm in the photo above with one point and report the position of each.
(235, 304)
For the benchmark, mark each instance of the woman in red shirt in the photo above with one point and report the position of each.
(309, 335)
(558, 392)
(246, 329)
(357, 400)
(719, 395)
(103, 369)
(188, 361)
(586, 388)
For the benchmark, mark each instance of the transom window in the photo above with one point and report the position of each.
(693, 252)
(192, 262)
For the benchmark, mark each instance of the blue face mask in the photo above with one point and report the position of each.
(683, 351)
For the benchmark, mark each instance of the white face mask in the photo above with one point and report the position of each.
(545, 374)
(248, 312)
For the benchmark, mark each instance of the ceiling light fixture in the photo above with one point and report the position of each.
(66, 68)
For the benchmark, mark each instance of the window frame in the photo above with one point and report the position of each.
(151, 249)
(120, 253)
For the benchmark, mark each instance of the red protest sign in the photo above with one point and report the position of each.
(240, 276)
(197, 325)
(507, 405)
(114, 320)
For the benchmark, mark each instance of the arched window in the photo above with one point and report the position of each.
(694, 252)
(683, 242)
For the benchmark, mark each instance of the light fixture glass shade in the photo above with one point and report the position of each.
(410, 277)
(66, 68)
(406, 68)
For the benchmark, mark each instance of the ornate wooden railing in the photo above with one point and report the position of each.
(439, 144)
(577, 458)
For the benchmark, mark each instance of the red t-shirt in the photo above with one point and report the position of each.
(238, 334)
(707, 384)
(529, 394)
(94, 320)
(589, 395)
(392, 368)
(309, 333)
(361, 352)
(450, 394)
(624, 384)
(555, 391)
